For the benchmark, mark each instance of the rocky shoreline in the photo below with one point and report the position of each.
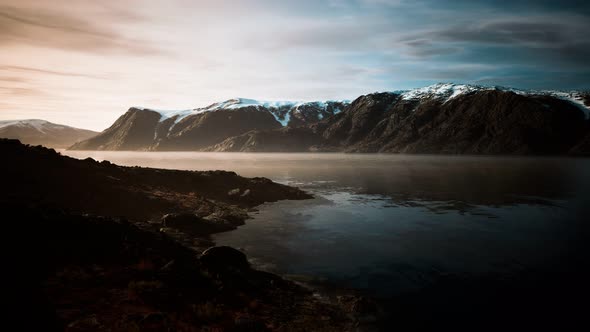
(105, 247)
(93, 246)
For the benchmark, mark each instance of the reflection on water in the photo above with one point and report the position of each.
(387, 223)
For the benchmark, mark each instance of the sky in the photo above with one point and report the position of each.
(84, 63)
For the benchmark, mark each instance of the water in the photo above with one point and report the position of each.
(386, 224)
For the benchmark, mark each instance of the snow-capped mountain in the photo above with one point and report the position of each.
(41, 132)
(448, 91)
(442, 118)
(192, 129)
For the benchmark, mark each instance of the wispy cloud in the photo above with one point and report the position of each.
(20, 69)
(11, 90)
(551, 41)
(59, 29)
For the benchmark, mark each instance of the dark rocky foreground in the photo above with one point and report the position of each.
(44, 179)
(73, 265)
(83, 273)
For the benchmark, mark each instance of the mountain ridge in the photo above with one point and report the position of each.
(194, 129)
(498, 120)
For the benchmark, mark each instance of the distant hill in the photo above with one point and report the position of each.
(442, 118)
(41, 132)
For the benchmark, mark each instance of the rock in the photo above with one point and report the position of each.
(234, 192)
(225, 257)
(191, 223)
(89, 323)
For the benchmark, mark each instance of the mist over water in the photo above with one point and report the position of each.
(389, 223)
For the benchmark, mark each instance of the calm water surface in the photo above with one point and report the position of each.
(389, 223)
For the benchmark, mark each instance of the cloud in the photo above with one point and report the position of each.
(557, 40)
(12, 79)
(17, 69)
(532, 32)
(391, 3)
(18, 91)
(46, 27)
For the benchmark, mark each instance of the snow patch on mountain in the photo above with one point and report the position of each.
(284, 121)
(167, 114)
(237, 103)
(445, 91)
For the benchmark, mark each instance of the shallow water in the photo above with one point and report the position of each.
(391, 223)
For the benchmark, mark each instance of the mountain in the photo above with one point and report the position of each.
(197, 129)
(41, 132)
(442, 118)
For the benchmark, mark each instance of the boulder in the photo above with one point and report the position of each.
(234, 192)
(225, 257)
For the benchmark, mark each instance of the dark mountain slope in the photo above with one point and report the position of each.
(286, 139)
(132, 131)
(202, 130)
(487, 122)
